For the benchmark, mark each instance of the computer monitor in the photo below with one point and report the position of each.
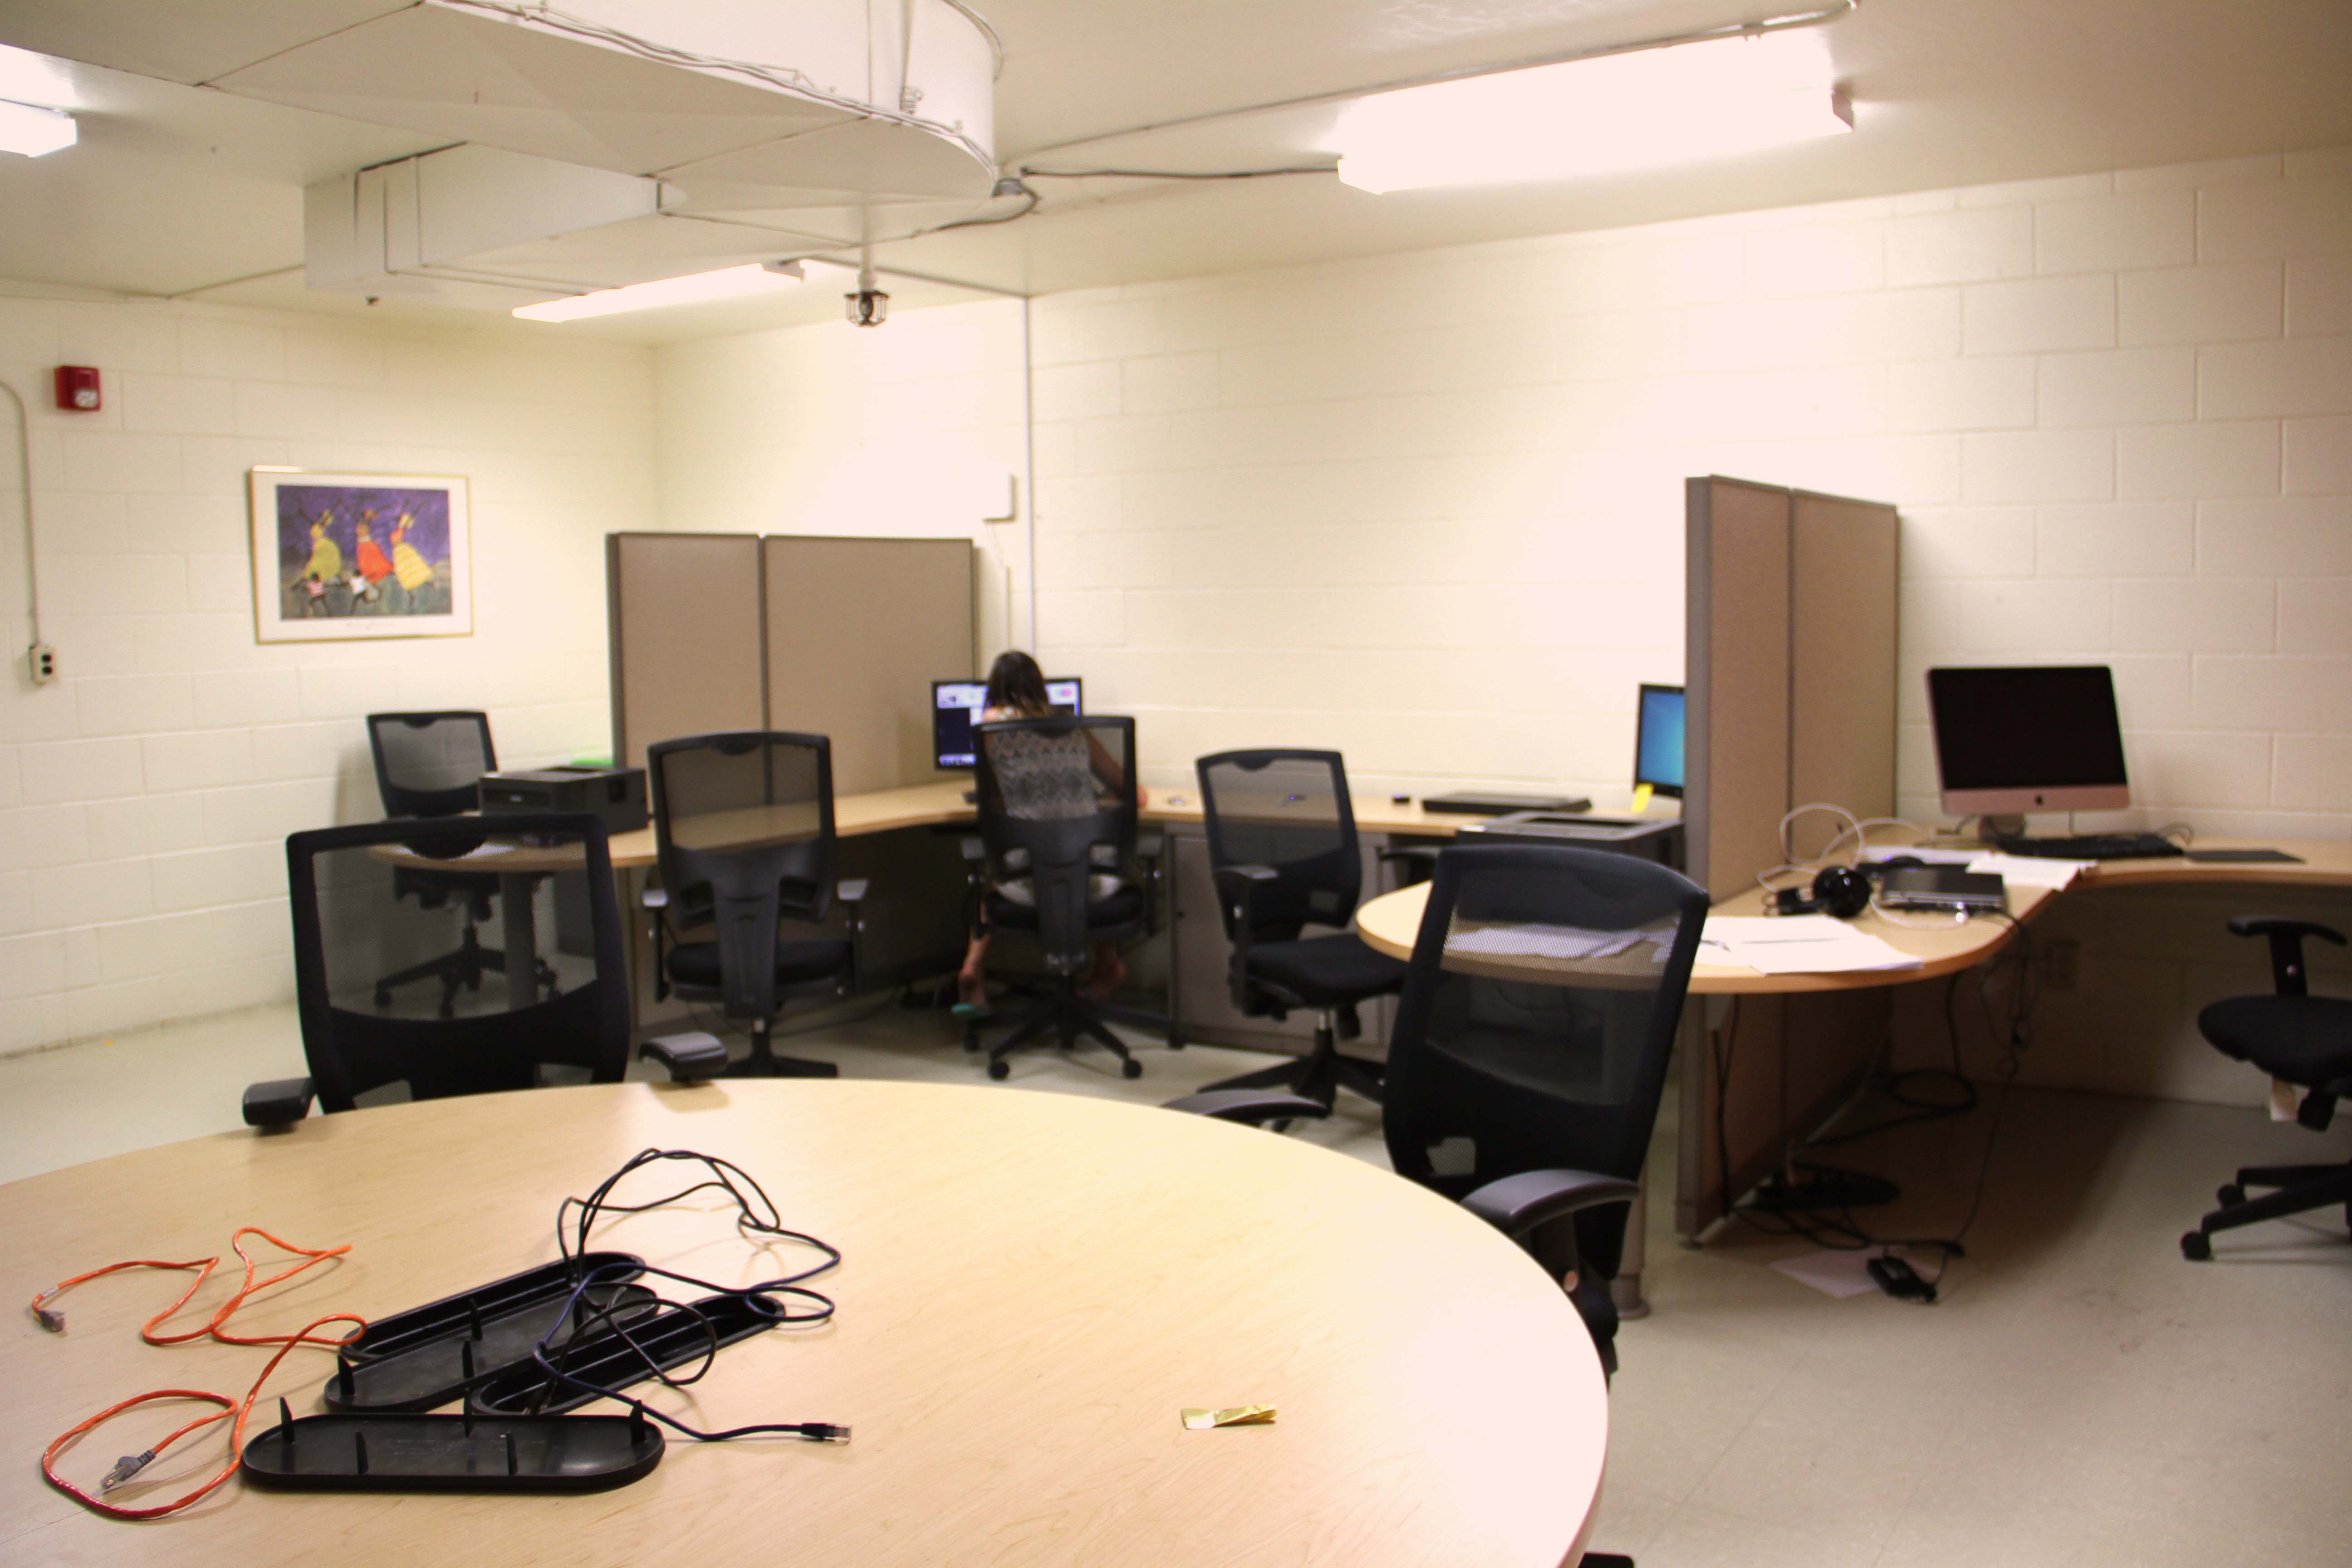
(2040, 738)
(956, 706)
(1658, 740)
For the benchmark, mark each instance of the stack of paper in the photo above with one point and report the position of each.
(1530, 940)
(2030, 870)
(1797, 944)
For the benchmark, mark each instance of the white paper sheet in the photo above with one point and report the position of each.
(1530, 940)
(1797, 944)
(2030, 870)
(1838, 1274)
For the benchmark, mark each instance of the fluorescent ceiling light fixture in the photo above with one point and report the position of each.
(697, 288)
(32, 131)
(1653, 107)
(28, 77)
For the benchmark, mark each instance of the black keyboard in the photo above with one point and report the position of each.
(2096, 846)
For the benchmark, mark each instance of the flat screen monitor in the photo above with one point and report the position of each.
(2041, 738)
(1658, 740)
(956, 706)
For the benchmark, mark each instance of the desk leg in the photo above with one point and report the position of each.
(1626, 1291)
(521, 921)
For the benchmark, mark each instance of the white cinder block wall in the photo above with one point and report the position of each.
(145, 796)
(1428, 508)
(911, 430)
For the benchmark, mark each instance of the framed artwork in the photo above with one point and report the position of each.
(360, 555)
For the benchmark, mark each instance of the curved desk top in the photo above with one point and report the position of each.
(943, 803)
(1033, 1286)
(1390, 922)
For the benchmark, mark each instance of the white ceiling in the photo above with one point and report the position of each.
(176, 189)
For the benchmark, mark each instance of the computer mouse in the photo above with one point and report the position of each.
(1901, 863)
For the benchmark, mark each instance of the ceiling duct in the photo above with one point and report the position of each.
(814, 125)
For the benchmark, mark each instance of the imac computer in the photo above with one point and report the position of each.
(956, 706)
(2043, 738)
(1658, 740)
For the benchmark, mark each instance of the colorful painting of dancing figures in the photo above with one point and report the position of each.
(350, 555)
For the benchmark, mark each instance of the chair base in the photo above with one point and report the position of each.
(462, 968)
(763, 1062)
(1319, 1075)
(2301, 1189)
(1071, 1016)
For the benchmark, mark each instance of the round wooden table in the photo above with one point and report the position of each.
(1034, 1286)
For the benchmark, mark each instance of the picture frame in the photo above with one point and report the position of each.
(342, 557)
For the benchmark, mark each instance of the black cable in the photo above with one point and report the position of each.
(760, 1218)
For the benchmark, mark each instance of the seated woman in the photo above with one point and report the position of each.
(1041, 776)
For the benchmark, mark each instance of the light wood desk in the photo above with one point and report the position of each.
(1033, 1286)
(942, 804)
(1391, 922)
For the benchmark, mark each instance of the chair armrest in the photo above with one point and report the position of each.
(689, 1058)
(654, 897)
(1518, 1204)
(1421, 857)
(1237, 888)
(2286, 934)
(1256, 1106)
(279, 1104)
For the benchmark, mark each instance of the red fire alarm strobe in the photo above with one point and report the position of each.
(77, 388)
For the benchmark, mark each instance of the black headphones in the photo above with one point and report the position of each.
(1839, 890)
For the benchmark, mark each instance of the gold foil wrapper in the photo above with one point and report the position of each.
(1233, 1415)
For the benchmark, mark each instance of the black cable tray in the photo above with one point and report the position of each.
(671, 1337)
(429, 1356)
(452, 1453)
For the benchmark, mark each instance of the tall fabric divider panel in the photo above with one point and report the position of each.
(1789, 663)
(857, 630)
(686, 637)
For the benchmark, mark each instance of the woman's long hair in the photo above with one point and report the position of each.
(1015, 682)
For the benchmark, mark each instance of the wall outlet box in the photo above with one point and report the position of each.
(41, 659)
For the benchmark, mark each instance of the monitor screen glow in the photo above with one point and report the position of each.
(1658, 740)
(2036, 738)
(957, 705)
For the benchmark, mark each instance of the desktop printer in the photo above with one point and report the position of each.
(615, 796)
(1658, 838)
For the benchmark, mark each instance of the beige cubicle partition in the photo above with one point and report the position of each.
(858, 630)
(685, 636)
(831, 636)
(1789, 668)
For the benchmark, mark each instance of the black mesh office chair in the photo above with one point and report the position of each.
(743, 832)
(568, 1004)
(1055, 856)
(2297, 1038)
(431, 765)
(1282, 840)
(1531, 1051)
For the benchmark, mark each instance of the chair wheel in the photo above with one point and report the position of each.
(2230, 1195)
(1130, 1069)
(2197, 1246)
(1000, 1070)
(383, 997)
(1175, 1041)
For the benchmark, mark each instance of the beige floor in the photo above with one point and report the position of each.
(2081, 1397)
